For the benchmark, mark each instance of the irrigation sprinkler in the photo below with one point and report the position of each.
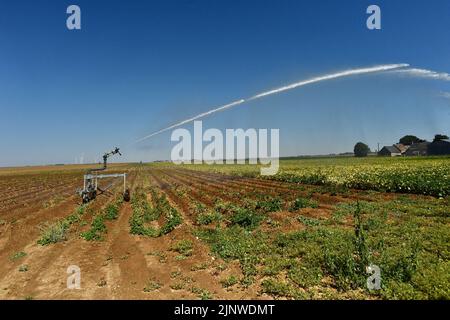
(91, 180)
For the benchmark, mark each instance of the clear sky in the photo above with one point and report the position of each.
(138, 66)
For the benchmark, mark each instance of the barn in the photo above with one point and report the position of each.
(390, 151)
(418, 149)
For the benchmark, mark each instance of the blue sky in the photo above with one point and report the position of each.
(138, 66)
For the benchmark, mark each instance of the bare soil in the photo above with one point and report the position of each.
(122, 265)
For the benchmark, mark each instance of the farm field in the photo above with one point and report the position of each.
(417, 175)
(222, 232)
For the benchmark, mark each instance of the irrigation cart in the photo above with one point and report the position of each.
(91, 186)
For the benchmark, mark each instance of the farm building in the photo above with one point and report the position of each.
(439, 147)
(390, 151)
(418, 149)
(401, 147)
(395, 150)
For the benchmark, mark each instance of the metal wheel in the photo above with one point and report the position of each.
(126, 195)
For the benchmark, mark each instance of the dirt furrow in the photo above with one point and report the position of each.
(47, 264)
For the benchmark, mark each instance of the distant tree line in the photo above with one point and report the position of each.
(410, 139)
(362, 150)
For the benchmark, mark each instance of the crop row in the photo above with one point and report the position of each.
(145, 212)
(98, 227)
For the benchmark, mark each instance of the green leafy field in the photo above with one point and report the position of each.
(418, 175)
(327, 258)
(406, 236)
